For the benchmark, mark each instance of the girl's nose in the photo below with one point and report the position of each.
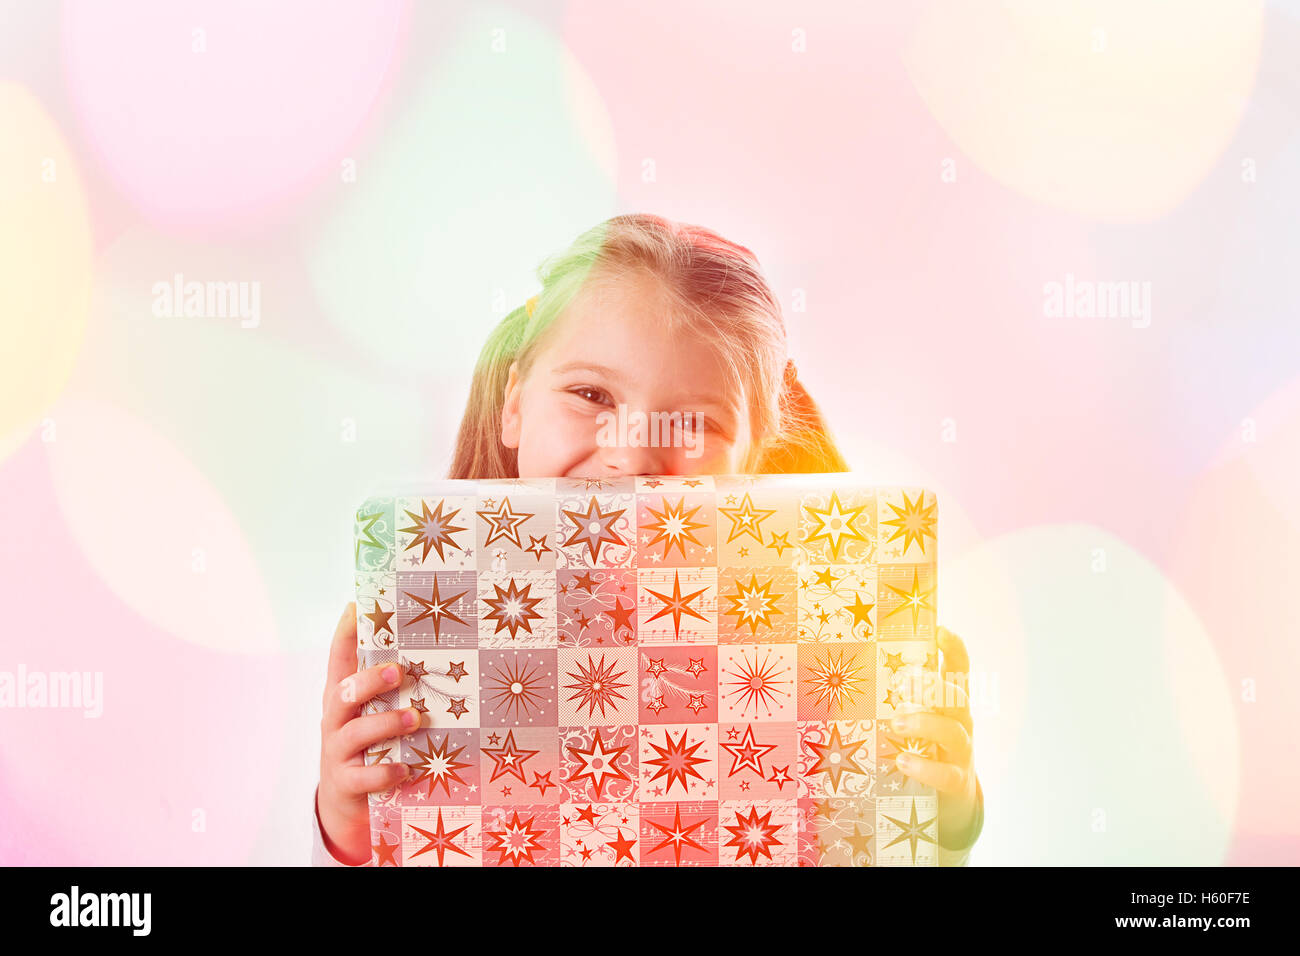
(635, 459)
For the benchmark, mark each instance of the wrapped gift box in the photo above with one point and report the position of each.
(652, 671)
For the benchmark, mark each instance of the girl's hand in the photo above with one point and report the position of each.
(953, 776)
(345, 735)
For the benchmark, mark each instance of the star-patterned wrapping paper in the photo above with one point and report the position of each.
(652, 671)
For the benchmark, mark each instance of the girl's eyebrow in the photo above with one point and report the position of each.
(614, 375)
(618, 378)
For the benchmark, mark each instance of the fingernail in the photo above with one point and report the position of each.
(390, 674)
(904, 760)
(410, 718)
(902, 723)
(406, 771)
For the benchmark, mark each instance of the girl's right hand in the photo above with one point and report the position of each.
(345, 735)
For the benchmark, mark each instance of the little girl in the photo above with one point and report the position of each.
(653, 315)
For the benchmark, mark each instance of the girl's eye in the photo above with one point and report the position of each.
(594, 395)
(706, 424)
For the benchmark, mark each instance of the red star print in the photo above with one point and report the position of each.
(542, 782)
(599, 764)
(676, 761)
(753, 835)
(676, 604)
(385, 851)
(780, 777)
(622, 848)
(621, 616)
(517, 841)
(440, 840)
(748, 753)
(678, 836)
(509, 758)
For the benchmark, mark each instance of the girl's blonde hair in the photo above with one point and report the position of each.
(721, 301)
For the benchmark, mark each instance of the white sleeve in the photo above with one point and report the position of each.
(320, 855)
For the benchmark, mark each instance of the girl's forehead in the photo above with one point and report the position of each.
(635, 292)
(634, 343)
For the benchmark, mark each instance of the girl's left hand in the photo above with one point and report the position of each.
(953, 776)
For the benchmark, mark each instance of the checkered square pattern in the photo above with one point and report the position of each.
(652, 670)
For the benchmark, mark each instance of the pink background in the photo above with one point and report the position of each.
(1119, 517)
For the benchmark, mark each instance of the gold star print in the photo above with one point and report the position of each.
(912, 522)
(835, 682)
(912, 831)
(432, 529)
(415, 670)
(436, 607)
(674, 527)
(861, 612)
(780, 542)
(594, 528)
(379, 619)
(537, 546)
(859, 843)
(504, 523)
(754, 604)
(836, 757)
(835, 524)
(746, 520)
(513, 608)
(915, 599)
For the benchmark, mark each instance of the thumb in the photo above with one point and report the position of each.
(955, 658)
(343, 649)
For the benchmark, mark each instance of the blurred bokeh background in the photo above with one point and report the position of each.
(1119, 499)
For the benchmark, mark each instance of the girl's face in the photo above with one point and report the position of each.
(609, 367)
